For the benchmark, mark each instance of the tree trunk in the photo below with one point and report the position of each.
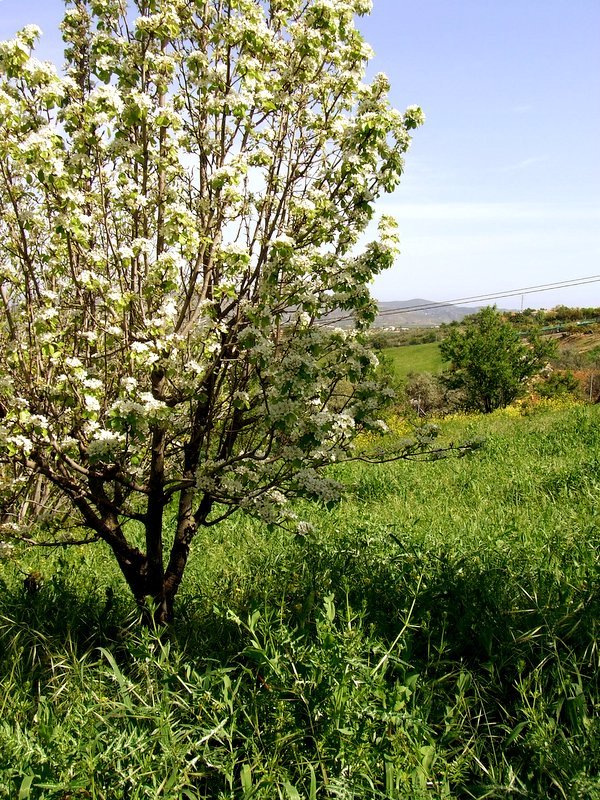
(155, 571)
(187, 526)
(155, 577)
(145, 573)
(134, 565)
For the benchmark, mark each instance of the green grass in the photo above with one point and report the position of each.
(414, 358)
(435, 637)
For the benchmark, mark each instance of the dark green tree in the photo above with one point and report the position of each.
(490, 361)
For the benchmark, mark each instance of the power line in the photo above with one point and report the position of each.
(498, 295)
(545, 287)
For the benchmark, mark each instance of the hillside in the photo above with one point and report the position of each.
(395, 314)
(433, 636)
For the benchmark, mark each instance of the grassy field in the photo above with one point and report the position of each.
(414, 358)
(436, 636)
(574, 349)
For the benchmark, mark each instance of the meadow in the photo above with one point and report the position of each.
(413, 358)
(434, 636)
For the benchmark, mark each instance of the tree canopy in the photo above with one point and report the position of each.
(490, 361)
(179, 212)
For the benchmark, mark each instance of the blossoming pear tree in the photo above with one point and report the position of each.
(180, 216)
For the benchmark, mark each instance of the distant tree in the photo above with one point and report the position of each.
(424, 392)
(592, 357)
(591, 312)
(178, 213)
(527, 317)
(490, 361)
(379, 340)
(558, 384)
(564, 314)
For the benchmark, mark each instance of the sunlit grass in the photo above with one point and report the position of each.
(414, 358)
(435, 637)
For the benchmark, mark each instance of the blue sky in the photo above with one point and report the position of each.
(502, 184)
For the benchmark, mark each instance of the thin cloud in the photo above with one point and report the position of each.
(524, 164)
(490, 212)
(524, 108)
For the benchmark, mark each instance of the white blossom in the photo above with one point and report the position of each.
(173, 237)
(106, 443)
(129, 383)
(150, 403)
(22, 443)
(92, 383)
(6, 550)
(107, 97)
(91, 403)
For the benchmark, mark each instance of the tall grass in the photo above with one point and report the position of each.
(435, 637)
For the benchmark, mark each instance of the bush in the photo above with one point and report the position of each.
(490, 362)
(427, 394)
(558, 384)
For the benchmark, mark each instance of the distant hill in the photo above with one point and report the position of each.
(426, 313)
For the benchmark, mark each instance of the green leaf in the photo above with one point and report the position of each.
(25, 790)
(312, 795)
(291, 791)
(246, 779)
(428, 753)
(123, 686)
(329, 607)
(515, 733)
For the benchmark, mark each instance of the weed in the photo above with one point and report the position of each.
(434, 637)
